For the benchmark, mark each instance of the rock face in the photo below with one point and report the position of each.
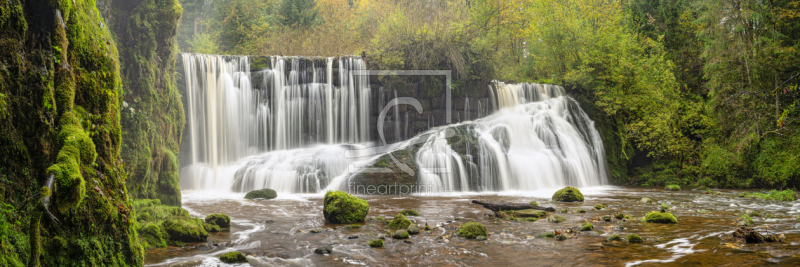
(568, 194)
(660, 217)
(233, 257)
(221, 220)
(340, 207)
(472, 230)
(265, 193)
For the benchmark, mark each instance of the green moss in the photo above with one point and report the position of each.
(546, 235)
(785, 195)
(77, 150)
(673, 188)
(233, 257)
(400, 234)
(340, 207)
(581, 211)
(221, 220)
(410, 212)
(265, 193)
(531, 219)
(472, 230)
(660, 217)
(633, 238)
(353, 227)
(599, 206)
(619, 216)
(377, 243)
(745, 220)
(399, 222)
(534, 203)
(556, 218)
(607, 218)
(152, 235)
(587, 227)
(614, 237)
(565, 211)
(568, 194)
(185, 230)
(647, 200)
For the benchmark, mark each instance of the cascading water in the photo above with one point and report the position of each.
(288, 127)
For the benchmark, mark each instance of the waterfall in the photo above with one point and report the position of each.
(295, 103)
(302, 125)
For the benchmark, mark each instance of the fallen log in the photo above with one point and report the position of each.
(505, 206)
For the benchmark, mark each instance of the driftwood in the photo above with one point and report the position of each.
(504, 206)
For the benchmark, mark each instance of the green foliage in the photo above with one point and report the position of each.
(221, 220)
(568, 194)
(340, 207)
(660, 217)
(533, 203)
(298, 12)
(785, 195)
(233, 257)
(265, 193)
(472, 230)
(15, 242)
(399, 222)
(673, 187)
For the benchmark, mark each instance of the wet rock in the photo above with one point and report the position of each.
(269, 221)
(774, 238)
(410, 212)
(660, 217)
(341, 207)
(323, 250)
(377, 243)
(413, 229)
(408, 241)
(673, 188)
(633, 238)
(752, 213)
(562, 237)
(587, 227)
(748, 235)
(568, 194)
(619, 216)
(399, 222)
(352, 237)
(618, 228)
(599, 206)
(221, 220)
(565, 211)
(472, 230)
(352, 227)
(607, 218)
(480, 238)
(265, 193)
(647, 200)
(581, 211)
(614, 237)
(400, 234)
(233, 257)
(317, 230)
(556, 219)
(745, 220)
(546, 235)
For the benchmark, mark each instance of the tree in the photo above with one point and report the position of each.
(298, 12)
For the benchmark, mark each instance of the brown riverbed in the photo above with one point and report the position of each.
(702, 236)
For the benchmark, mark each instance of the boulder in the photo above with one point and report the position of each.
(221, 220)
(233, 257)
(340, 207)
(399, 222)
(472, 230)
(660, 217)
(568, 194)
(265, 193)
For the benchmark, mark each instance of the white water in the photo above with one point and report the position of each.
(288, 128)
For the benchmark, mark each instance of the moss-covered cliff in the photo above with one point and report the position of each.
(151, 112)
(60, 86)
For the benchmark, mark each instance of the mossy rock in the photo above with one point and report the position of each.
(660, 217)
(546, 235)
(599, 206)
(221, 220)
(562, 237)
(399, 222)
(341, 207)
(410, 212)
(587, 227)
(265, 193)
(565, 211)
(233, 257)
(633, 238)
(533, 203)
(607, 218)
(745, 220)
(556, 218)
(752, 213)
(377, 243)
(581, 211)
(400, 234)
(619, 216)
(673, 188)
(614, 237)
(568, 194)
(528, 213)
(647, 200)
(152, 235)
(413, 229)
(472, 230)
(211, 228)
(531, 219)
(185, 230)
